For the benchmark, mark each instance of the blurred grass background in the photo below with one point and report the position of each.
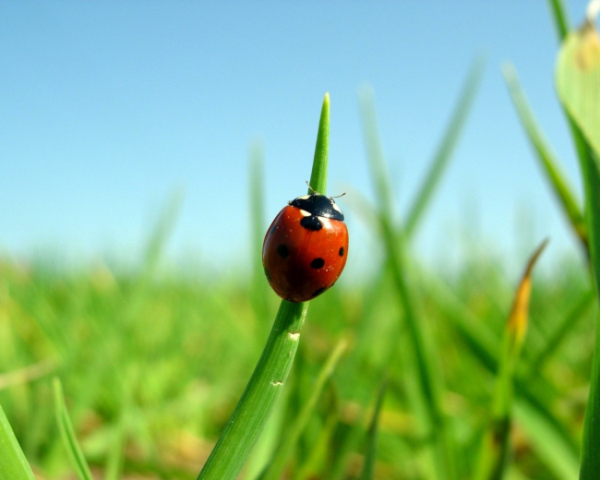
(158, 362)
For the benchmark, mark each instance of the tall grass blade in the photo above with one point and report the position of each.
(558, 179)
(495, 448)
(13, 464)
(578, 86)
(264, 388)
(276, 466)
(429, 378)
(446, 147)
(68, 434)
(559, 15)
(371, 451)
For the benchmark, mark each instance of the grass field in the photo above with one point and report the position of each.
(413, 373)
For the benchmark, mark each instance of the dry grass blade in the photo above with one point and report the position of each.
(495, 447)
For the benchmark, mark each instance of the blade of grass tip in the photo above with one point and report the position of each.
(495, 447)
(162, 231)
(430, 381)
(446, 148)
(13, 463)
(559, 181)
(371, 451)
(264, 388)
(281, 456)
(68, 434)
(559, 15)
(578, 86)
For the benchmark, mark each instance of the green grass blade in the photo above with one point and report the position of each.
(578, 86)
(318, 176)
(281, 456)
(559, 181)
(430, 381)
(559, 15)
(264, 388)
(68, 434)
(446, 148)
(13, 464)
(371, 451)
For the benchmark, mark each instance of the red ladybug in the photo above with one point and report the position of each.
(305, 248)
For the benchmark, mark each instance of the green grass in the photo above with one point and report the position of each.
(154, 373)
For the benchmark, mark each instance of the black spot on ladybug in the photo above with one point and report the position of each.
(267, 274)
(341, 252)
(318, 292)
(311, 223)
(317, 263)
(283, 251)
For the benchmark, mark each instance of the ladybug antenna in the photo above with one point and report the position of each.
(312, 189)
(338, 196)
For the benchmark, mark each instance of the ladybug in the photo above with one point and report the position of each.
(305, 248)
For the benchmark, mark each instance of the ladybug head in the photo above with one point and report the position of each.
(319, 205)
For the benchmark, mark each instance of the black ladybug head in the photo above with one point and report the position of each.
(319, 205)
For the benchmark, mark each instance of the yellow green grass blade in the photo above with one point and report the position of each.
(428, 374)
(13, 463)
(68, 434)
(495, 447)
(276, 466)
(446, 147)
(270, 375)
(578, 86)
(578, 81)
(550, 164)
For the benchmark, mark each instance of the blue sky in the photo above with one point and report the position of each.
(106, 108)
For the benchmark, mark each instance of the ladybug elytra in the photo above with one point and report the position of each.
(305, 248)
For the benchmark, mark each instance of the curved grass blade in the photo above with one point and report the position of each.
(446, 148)
(578, 86)
(371, 452)
(13, 463)
(68, 434)
(559, 181)
(495, 447)
(264, 388)
(276, 466)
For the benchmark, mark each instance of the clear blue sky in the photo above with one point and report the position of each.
(107, 107)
